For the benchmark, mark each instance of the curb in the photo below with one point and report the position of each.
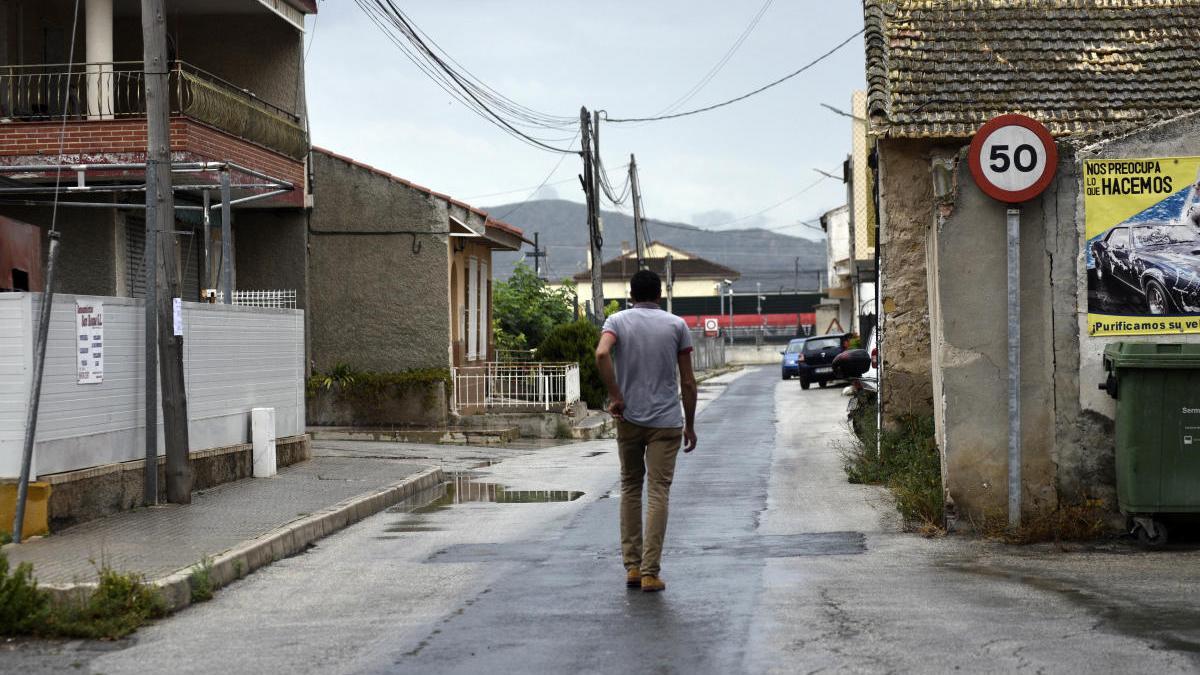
(282, 542)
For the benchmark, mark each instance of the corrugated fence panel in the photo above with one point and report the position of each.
(16, 343)
(235, 359)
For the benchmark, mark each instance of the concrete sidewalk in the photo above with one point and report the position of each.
(237, 527)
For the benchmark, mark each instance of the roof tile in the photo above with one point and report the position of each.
(941, 68)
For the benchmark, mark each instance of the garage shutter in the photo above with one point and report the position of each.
(135, 251)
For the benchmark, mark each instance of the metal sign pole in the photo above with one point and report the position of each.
(1014, 366)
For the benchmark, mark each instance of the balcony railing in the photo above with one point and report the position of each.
(98, 91)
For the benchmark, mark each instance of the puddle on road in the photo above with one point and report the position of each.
(463, 488)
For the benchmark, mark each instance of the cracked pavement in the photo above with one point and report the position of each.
(774, 564)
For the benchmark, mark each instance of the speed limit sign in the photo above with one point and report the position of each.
(1013, 158)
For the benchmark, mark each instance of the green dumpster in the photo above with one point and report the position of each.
(1157, 388)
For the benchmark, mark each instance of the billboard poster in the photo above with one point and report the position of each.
(89, 333)
(1142, 245)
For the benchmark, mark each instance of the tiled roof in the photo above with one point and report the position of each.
(488, 220)
(941, 68)
(620, 269)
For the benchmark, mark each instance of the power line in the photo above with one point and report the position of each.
(745, 96)
(533, 192)
(712, 72)
(467, 89)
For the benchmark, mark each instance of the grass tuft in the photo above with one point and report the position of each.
(1081, 521)
(907, 462)
(201, 581)
(119, 605)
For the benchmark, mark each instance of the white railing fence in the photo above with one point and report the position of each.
(279, 299)
(499, 386)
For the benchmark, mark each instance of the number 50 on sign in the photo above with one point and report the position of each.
(1013, 158)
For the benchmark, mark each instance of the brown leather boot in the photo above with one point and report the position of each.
(652, 584)
(633, 577)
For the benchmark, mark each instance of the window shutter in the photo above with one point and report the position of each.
(483, 310)
(472, 308)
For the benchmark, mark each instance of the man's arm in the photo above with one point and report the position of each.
(604, 363)
(687, 385)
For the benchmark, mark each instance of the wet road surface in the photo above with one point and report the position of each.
(774, 563)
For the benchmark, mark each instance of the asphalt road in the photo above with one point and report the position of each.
(773, 563)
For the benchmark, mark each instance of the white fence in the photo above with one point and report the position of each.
(499, 386)
(235, 359)
(270, 299)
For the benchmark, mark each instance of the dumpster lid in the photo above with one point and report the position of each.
(1152, 355)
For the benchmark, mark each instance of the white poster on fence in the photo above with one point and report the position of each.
(89, 330)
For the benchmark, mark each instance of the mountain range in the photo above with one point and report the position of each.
(761, 256)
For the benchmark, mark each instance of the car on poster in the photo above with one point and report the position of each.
(1142, 220)
(1157, 262)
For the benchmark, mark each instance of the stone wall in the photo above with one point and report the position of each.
(906, 207)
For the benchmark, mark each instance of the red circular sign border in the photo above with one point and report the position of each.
(996, 192)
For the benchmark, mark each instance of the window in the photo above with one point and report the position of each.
(20, 280)
(483, 311)
(1119, 238)
(795, 347)
(819, 344)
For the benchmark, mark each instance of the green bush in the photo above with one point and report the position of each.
(576, 342)
(907, 462)
(23, 607)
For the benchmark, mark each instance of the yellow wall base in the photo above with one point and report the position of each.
(37, 509)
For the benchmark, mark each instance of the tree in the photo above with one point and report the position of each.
(526, 308)
(576, 342)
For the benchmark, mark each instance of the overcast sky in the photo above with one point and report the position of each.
(629, 58)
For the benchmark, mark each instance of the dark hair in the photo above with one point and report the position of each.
(645, 286)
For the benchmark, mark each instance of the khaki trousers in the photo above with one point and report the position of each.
(649, 454)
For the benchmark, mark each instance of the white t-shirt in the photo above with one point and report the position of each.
(649, 342)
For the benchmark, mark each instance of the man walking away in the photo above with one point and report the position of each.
(644, 357)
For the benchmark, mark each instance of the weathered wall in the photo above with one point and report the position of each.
(906, 206)
(969, 320)
(271, 251)
(87, 251)
(375, 302)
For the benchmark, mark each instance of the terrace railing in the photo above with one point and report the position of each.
(515, 386)
(100, 91)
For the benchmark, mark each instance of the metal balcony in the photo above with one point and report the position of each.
(104, 91)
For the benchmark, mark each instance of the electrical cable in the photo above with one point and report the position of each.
(533, 192)
(467, 89)
(745, 96)
(712, 72)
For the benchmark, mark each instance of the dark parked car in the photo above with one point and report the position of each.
(790, 366)
(815, 361)
(1160, 261)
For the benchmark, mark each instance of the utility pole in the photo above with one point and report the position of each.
(590, 148)
(537, 256)
(797, 282)
(161, 202)
(670, 286)
(639, 225)
(731, 313)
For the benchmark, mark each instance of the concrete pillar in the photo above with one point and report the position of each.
(98, 42)
(262, 434)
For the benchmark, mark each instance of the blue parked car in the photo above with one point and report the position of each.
(791, 359)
